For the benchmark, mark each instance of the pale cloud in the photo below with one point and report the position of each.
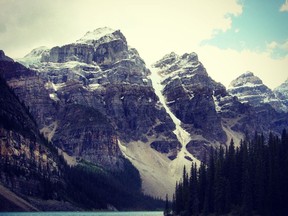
(276, 48)
(152, 27)
(237, 30)
(284, 7)
(272, 45)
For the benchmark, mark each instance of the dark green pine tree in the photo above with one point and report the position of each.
(259, 167)
(179, 198)
(239, 174)
(209, 192)
(185, 191)
(167, 207)
(274, 173)
(194, 197)
(202, 184)
(284, 170)
(220, 184)
(231, 175)
(174, 203)
(247, 198)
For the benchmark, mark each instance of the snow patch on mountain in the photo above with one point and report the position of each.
(54, 97)
(98, 33)
(217, 104)
(34, 57)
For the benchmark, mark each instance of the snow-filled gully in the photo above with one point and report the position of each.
(182, 135)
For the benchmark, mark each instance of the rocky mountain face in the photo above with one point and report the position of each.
(268, 109)
(59, 83)
(189, 93)
(250, 89)
(96, 100)
(28, 164)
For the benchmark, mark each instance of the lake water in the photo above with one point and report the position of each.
(81, 213)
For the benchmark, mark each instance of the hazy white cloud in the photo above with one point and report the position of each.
(151, 26)
(27, 24)
(277, 45)
(284, 7)
(278, 49)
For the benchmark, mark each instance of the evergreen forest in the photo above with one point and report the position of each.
(250, 179)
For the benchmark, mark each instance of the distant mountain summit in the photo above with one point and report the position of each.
(282, 92)
(249, 88)
(92, 36)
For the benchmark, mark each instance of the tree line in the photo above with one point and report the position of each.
(250, 179)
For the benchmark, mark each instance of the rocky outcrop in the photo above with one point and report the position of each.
(170, 148)
(81, 53)
(98, 140)
(3, 57)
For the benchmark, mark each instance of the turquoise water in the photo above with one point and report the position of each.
(81, 213)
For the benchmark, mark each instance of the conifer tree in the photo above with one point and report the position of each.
(167, 207)
(202, 184)
(209, 193)
(194, 198)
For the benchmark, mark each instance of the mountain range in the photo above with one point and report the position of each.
(95, 101)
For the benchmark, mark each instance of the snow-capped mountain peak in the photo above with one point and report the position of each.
(175, 65)
(250, 89)
(95, 35)
(246, 79)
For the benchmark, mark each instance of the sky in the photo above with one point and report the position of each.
(229, 36)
